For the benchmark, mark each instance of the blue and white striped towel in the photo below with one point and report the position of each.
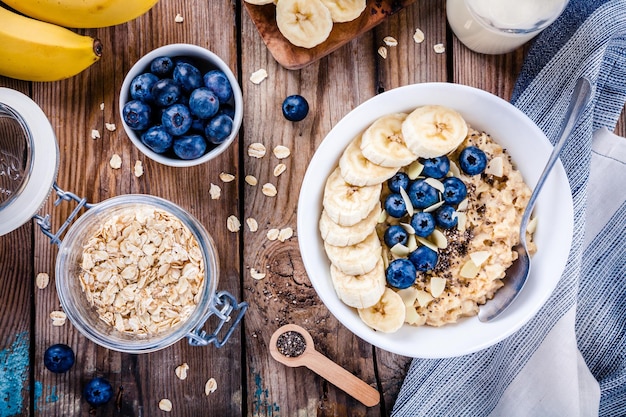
(569, 360)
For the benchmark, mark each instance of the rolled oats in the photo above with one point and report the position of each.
(281, 152)
(252, 224)
(42, 280)
(165, 405)
(439, 48)
(215, 191)
(272, 234)
(210, 386)
(284, 234)
(418, 36)
(269, 190)
(258, 76)
(233, 224)
(256, 150)
(179, 18)
(181, 371)
(256, 274)
(110, 127)
(95, 134)
(226, 177)
(58, 318)
(116, 161)
(251, 180)
(138, 169)
(382, 51)
(390, 41)
(279, 169)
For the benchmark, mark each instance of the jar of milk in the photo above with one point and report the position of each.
(500, 26)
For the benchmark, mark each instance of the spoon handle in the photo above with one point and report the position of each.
(342, 379)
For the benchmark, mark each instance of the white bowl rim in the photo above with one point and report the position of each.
(469, 335)
(182, 49)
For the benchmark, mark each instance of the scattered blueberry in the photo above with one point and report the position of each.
(188, 76)
(295, 108)
(472, 160)
(395, 234)
(218, 129)
(157, 139)
(137, 114)
(401, 273)
(176, 119)
(399, 180)
(423, 224)
(98, 391)
(436, 167)
(424, 259)
(59, 358)
(166, 92)
(141, 87)
(189, 147)
(395, 205)
(445, 217)
(217, 82)
(162, 66)
(422, 194)
(203, 103)
(454, 190)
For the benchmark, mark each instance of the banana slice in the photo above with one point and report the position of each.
(304, 23)
(347, 204)
(356, 259)
(383, 143)
(338, 235)
(359, 291)
(356, 169)
(345, 10)
(387, 315)
(259, 2)
(431, 131)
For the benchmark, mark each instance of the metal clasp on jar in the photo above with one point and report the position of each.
(224, 303)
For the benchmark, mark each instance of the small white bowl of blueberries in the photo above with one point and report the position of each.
(181, 105)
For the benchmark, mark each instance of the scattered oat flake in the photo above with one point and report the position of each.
(258, 76)
(181, 371)
(256, 150)
(284, 234)
(179, 18)
(42, 280)
(390, 41)
(269, 189)
(95, 134)
(138, 169)
(233, 224)
(101, 106)
(226, 177)
(252, 224)
(439, 48)
(382, 51)
(418, 36)
(165, 405)
(215, 191)
(281, 152)
(251, 180)
(210, 386)
(116, 161)
(256, 274)
(110, 127)
(58, 318)
(272, 234)
(279, 169)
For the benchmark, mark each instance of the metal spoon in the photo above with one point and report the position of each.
(323, 366)
(517, 273)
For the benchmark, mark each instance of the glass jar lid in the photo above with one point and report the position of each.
(29, 159)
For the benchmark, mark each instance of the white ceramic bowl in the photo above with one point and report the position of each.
(529, 149)
(205, 60)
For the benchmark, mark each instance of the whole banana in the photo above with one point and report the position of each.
(82, 13)
(32, 50)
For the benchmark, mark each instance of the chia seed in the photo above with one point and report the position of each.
(291, 344)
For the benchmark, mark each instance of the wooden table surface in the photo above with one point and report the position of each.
(249, 381)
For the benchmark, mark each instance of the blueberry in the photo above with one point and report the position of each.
(189, 147)
(218, 129)
(454, 190)
(424, 259)
(137, 114)
(162, 66)
(401, 273)
(217, 82)
(203, 103)
(141, 87)
(399, 180)
(472, 160)
(197, 125)
(445, 217)
(295, 108)
(422, 195)
(188, 76)
(98, 391)
(59, 358)
(423, 224)
(395, 234)
(228, 110)
(176, 119)
(436, 167)
(157, 139)
(395, 205)
(166, 92)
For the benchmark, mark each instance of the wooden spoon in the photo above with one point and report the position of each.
(323, 366)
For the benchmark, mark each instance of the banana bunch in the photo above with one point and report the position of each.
(36, 46)
(352, 205)
(308, 23)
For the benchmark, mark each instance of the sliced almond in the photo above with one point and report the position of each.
(411, 315)
(454, 170)
(462, 206)
(461, 219)
(532, 226)
(385, 257)
(423, 298)
(411, 243)
(400, 250)
(256, 150)
(281, 152)
(382, 216)
(479, 257)
(409, 229)
(407, 202)
(434, 207)
(469, 270)
(258, 76)
(408, 295)
(427, 243)
(439, 239)
(215, 191)
(495, 167)
(414, 169)
(436, 184)
(437, 285)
